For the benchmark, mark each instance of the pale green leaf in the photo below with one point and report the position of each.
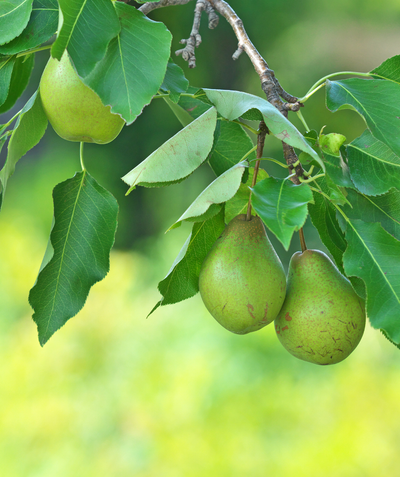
(14, 16)
(179, 156)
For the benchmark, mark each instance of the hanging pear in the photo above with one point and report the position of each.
(322, 319)
(242, 281)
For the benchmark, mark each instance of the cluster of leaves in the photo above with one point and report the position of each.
(353, 198)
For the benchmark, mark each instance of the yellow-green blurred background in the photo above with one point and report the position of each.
(114, 394)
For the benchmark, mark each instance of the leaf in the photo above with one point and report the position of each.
(377, 101)
(19, 80)
(282, 206)
(87, 28)
(323, 217)
(374, 256)
(338, 170)
(84, 228)
(331, 143)
(174, 81)
(233, 104)
(42, 25)
(374, 167)
(181, 114)
(182, 281)
(219, 191)
(29, 129)
(231, 146)
(238, 204)
(6, 69)
(193, 106)
(14, 16)
(178, 157)
(389, 69)
(384, 209)
(134, 67)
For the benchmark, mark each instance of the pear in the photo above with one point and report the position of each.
(74, 110)
(323, 319)
(242, 281)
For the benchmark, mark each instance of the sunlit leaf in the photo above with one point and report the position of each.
(178, 157)
(84, 228)
(19, 80)
(389, 69)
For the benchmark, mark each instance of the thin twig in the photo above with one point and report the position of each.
(148, 7)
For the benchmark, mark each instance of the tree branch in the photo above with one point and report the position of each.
(150, 6)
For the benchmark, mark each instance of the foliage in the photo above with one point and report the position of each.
(125, 58)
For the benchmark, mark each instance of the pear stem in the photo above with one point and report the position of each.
(302, 240)
(263, 131)
(81, 156)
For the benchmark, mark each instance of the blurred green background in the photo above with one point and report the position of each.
(114, 394)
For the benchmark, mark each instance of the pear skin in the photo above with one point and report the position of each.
(74, 110)
(242, 281)
(322, 319)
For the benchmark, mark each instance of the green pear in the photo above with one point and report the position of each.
(322, 319)
(242, 281)
(74, 110)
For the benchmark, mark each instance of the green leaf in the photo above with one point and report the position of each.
(14, 16)
(178, 157)
(6, 69)
(42, 25)
(220, 190)
(19, 80)
(377, 101)
(29, 129)
(338, 170)
(181, 114)
(389, 69)
(238, 204)
(331, 143)
(231, 146)
(374, 167)
(87, 28)
(374, 256)
(84, 228)
(174, 81)
(233, 104)
(323, 217)
(193, 106)
(134, 67)
(182, 281)
(384, 209)
(282, 206)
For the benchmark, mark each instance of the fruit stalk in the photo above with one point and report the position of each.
(262, 132)
(302, 240)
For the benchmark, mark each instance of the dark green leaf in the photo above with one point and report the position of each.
(87, 28)
(389, 69)
(174, 81)
(282, 206)
(374, 256)
(194, 106)
(338, 170)
(14, 16)
(178, 157)
(233, 104)
(84, 228)
(134, 67)
(377, 101)
(182, 281)
(384, 209)
(42, 25)
(374, 167)
(219, 191)
(30, 127)
(6, 69)
(19, 80)
(231, 146)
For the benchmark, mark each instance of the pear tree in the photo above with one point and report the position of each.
(107, 61)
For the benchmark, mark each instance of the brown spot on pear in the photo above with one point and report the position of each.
(242, 281)
(328, 317)
(74, 110)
